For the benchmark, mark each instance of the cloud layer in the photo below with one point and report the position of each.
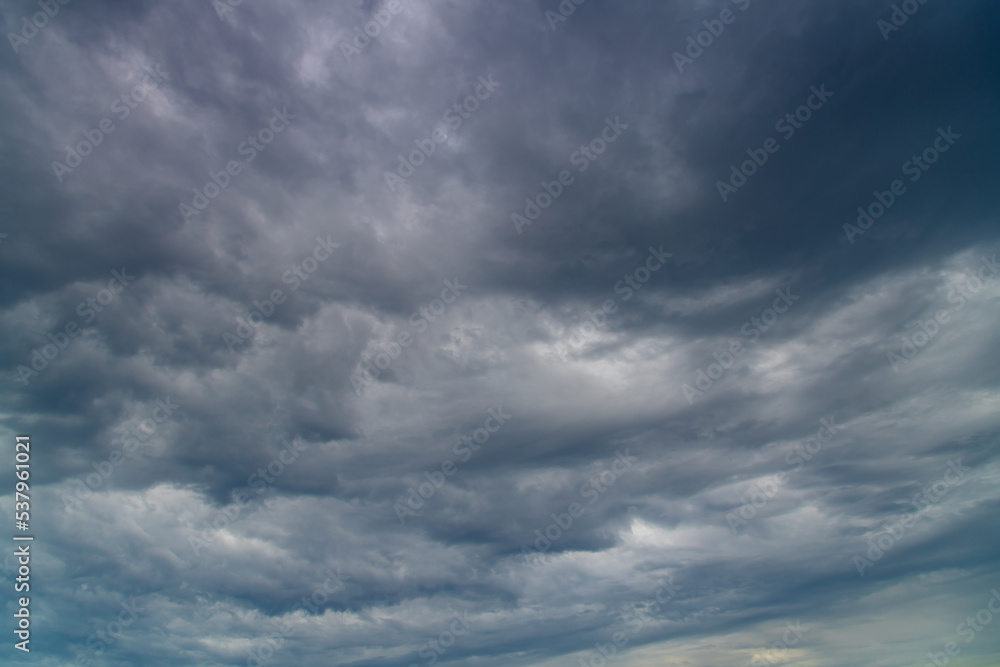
(521, 333)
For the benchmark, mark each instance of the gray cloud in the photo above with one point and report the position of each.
(211, 528)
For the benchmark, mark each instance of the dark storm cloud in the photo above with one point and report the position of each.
(257, 310)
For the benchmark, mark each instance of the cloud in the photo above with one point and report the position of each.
(277, 468)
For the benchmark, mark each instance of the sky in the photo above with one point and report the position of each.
(511, 333)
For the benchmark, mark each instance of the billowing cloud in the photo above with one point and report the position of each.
(536, 332)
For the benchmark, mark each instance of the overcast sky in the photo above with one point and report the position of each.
(660, 333)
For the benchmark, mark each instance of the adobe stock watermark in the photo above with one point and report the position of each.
(566, 9)
(136, 435)
(706, 38)
(464, 449)
(123, 105)
(603, 653)
(592, 490)
(104, 637)
(777, 654)
(787, 125)
(764, 491)
(267, 644)
(968, 629)
(294, 276)
(364, 34)
(917, 342)
(581, 158)
(453, 118)
(254, 143)
(420, 320)
(752, 329)
(258, 481)
(901, 13)
(435, 648)
(627, 286)
(222, 7)
(88, 309)
(892, 533)
(38, 21)
(915, 167)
